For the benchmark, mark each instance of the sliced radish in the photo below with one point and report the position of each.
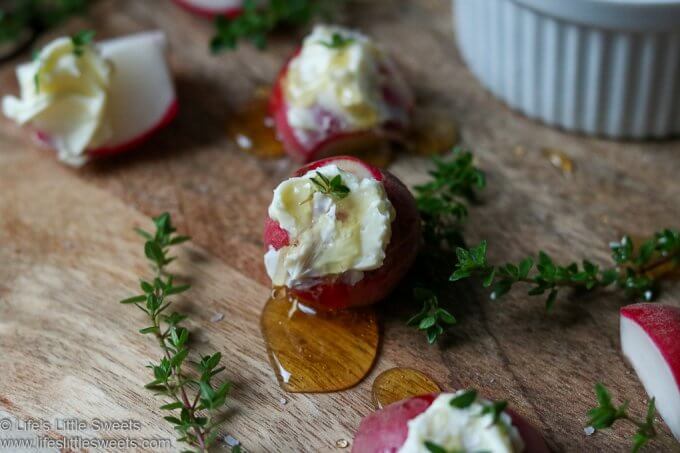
(212, 8)
(650, 340)
(142, 96)
(386, 430)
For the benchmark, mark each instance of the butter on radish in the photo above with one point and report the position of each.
(95, 100)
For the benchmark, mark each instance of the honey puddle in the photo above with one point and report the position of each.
(397, 384)
(434, 132)
(317, 352)
(252, 128)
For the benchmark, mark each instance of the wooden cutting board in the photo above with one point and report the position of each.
(68, 252)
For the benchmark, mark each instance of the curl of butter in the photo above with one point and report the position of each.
(63, 96)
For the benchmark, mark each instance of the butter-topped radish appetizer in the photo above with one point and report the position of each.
(340, 233)
(448, 422)
(88, 100)
(340, 93)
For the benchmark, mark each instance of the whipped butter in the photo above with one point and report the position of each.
(328, 235)
(461, 429)
(339, 77)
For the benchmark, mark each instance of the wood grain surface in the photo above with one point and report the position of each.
(68, 253)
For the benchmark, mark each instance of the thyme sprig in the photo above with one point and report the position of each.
(337, 41)
(257, 21)
(606, 414)
(636, 270)
(443, 205)
(443, 200)
(194, 399)
(432, 319)
(81, 40)
(334, 187)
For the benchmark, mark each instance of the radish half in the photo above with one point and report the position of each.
(141, 98)
(650, 340)
(212, 8)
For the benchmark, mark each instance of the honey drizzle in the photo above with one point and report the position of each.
(434, 132)
(397, 384)
(313, 352)
(252, 128)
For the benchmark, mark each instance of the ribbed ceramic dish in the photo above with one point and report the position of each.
(601, 67)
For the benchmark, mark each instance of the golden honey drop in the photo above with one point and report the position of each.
(398, 384)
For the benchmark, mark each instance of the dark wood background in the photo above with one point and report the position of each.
(67, 252)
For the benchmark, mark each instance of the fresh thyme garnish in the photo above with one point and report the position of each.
(434, 448)
(333, 187)
(432, 318)
(80, 40)
(495, 408)
(606, 414)
(256, 21)
(30, 16)
(464, 400)
(192, 393)
(337, 41)
(442, 203)
(36, 80)
(637, 270)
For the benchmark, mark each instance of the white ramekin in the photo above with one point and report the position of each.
(601, 67)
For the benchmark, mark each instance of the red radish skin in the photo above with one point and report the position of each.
(206, 12)
(333, 141)
(650, 340)
(106, 151)
(386, 430)
(662, 324)
(169, 116)
(333, 294)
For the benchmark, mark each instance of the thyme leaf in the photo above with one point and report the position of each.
(80, 40)
(607, 413)
(337, 41)
(334, 187)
